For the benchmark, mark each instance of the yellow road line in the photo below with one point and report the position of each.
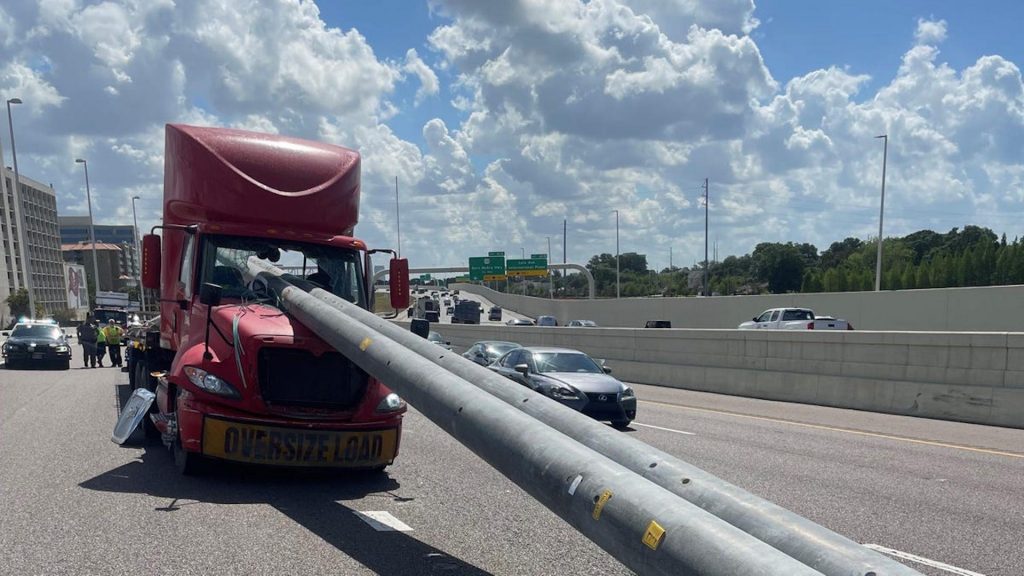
(846, 430)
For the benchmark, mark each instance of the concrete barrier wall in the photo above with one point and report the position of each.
(985, 309)
(968, 377)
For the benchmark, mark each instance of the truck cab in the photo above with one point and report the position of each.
(236, 377)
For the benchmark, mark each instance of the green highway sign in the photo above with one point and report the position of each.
(496, 254)
(528, 267)
(424, 277)
(539, 256)
(487, 268)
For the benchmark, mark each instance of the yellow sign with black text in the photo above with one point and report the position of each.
(256, 444)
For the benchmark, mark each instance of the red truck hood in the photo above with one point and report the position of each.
(263, 323)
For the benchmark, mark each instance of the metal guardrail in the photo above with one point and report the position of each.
(569, 462)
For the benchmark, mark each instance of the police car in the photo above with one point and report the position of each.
(36, 342)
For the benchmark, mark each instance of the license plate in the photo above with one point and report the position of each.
(256, 444)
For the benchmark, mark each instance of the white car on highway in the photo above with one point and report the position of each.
(793, 319)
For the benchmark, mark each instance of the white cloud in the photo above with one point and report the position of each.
(930, 31)
(565, 110)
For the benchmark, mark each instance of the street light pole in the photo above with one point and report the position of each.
(618, 284)
(92, 230)
(398, 219)
(26, 265)
(138, 255)
(881, 214)
(551, 279)
(707, 202)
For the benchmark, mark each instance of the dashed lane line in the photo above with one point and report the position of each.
(665, 429)
(922, 560)
(383, 521)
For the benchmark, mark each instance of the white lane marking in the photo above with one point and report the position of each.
(383, 521)
(665, 429)
(921, 560)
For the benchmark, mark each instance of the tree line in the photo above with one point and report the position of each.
(973, 256)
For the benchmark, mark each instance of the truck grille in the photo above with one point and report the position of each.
(293, 377)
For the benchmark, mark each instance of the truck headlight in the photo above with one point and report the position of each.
(391, 403)
(210, 383)
(62, 348)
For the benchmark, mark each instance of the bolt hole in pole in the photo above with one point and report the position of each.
(653, 465)
(685, 480)
(596, 498)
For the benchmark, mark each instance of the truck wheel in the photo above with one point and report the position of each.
(187, 463)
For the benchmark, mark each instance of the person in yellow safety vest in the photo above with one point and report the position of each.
(113, 333)
(101, 343)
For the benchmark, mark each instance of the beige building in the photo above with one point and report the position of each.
(38, 207)
(109, 262)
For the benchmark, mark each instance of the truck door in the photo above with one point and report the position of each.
(773, 322)
(183, 291)
(762, 320)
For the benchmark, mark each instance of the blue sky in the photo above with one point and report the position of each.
(501, 119)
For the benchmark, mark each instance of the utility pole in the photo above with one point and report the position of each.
(881, 214)
(707, 201)
(618, 287)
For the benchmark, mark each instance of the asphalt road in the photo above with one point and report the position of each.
(72, 502)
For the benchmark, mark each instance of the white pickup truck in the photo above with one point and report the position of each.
(794, 319)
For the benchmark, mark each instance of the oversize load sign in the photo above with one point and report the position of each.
(487, 268)
(528, 267)
(273, 445)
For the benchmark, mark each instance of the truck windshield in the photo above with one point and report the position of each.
(225, 262)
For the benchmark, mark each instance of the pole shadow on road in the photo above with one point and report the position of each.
(308, 497)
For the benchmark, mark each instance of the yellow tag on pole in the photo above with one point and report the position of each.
(365, 344)
(653, 535)
(601, 501)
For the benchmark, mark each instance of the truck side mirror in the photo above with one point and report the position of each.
(151, 261)
(398, 274)
(209, 294)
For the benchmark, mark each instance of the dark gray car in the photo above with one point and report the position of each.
(572, 378)
(487, 351)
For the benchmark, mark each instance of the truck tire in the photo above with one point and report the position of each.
(65, 364)
(621, 424)
(187, 463)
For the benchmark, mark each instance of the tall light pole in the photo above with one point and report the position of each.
(707, 202)
(551, 279)
(26, 265)
(881, 214)
(92, 230)
(618, 286)
(398, 219)
(138, 254)
(522, 250)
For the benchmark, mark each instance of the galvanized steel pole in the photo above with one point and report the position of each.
(826, 551)
(647, 528)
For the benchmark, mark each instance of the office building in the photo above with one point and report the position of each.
(109, 260)
(38, 206)
(75, 229)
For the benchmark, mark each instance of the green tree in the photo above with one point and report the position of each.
(18, 303)
(780, 265)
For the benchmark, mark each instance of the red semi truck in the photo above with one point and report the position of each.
(235, 376)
